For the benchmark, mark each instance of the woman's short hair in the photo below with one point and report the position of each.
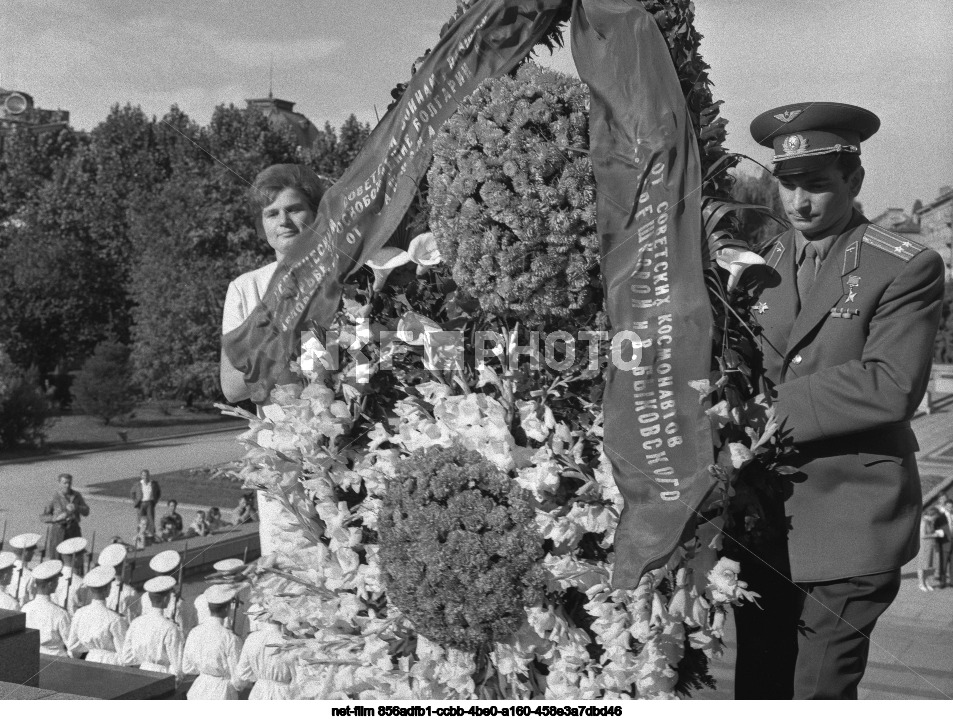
(274, 179)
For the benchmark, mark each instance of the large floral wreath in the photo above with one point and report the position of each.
(450, 522)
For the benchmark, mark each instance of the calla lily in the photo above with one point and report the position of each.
(736, 261)
(383, 262)
(424, 252)
(412, 328)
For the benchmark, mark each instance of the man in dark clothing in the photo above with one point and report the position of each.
(63, 513)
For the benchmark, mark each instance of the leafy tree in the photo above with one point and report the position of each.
(190, 239)
(103, 386)
(758, 189)
(28, 160)
(334, 151)
(24, 410)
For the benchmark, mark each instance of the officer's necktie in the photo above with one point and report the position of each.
(807, 272)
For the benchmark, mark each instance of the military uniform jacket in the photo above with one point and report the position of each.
(98, 632)
(51, 621)
(850, 370)
(263, 664)
(212, 651)
(153, 643)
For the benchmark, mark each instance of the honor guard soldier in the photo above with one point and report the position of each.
(167, 563)
(263, 663)
(153, 642)
(70, 593)
(212, 650)
(41, 613)
(848, 313)
(7, 601)
(21, 585)
(96, 630)
(227, 569)
(122, 597)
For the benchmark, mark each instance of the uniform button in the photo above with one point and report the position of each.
(797, 359)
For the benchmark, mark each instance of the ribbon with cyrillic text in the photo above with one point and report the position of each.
(648, 188)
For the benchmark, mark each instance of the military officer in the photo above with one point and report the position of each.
(96, 630)
(71, 594)
(153, 642)
(849, 312)
(167, 563)
(22, 586)
(262, 664)
(50, 620)
(212, 651)
(7, 601)
(122, 597)
(227, 569)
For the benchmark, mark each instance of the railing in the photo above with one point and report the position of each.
(941, 383)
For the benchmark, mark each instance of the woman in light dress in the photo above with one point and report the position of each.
(284, 200)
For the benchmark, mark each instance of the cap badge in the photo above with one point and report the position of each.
(794, 144)
(787, 116)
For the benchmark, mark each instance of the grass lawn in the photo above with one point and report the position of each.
(195, 486)
(76, 432)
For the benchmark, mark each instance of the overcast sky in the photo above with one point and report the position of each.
(335, 58)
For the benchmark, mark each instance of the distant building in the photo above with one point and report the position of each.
(281, 114)
(936, 225)
(17, 109)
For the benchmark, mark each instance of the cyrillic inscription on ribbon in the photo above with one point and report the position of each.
(648, 179)
(363, 209)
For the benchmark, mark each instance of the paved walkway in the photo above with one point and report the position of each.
(26, 486)
(912, 646)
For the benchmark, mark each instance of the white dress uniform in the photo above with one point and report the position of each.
(271, 671)
(97, 630)
(212, 652)
(129, 605)
(153, 642)
(27, 585)
(7, 602)
(51, 621)
(174, 607)
(78, 594)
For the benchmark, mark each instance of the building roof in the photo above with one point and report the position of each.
(281, 113)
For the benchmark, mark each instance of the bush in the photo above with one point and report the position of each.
(103, 387)
(24, 410)
(459, 549)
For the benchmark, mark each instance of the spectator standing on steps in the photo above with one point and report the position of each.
(145, 496)
(63, 513)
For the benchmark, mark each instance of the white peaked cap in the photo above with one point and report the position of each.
(71, 546)
(47, 570)
(100, 577)
(112, 555)
(165, 562)
(220, 593)
(228, 565)
(25, 540)
(160, 584)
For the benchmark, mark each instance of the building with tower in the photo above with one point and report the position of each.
(17, 109)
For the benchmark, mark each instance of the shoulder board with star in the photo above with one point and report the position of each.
(891, 243)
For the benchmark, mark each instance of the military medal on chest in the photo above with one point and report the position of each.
(853, 284)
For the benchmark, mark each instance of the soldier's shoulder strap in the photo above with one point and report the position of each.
(891, 243)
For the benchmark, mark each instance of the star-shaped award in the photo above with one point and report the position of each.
(761, 307)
